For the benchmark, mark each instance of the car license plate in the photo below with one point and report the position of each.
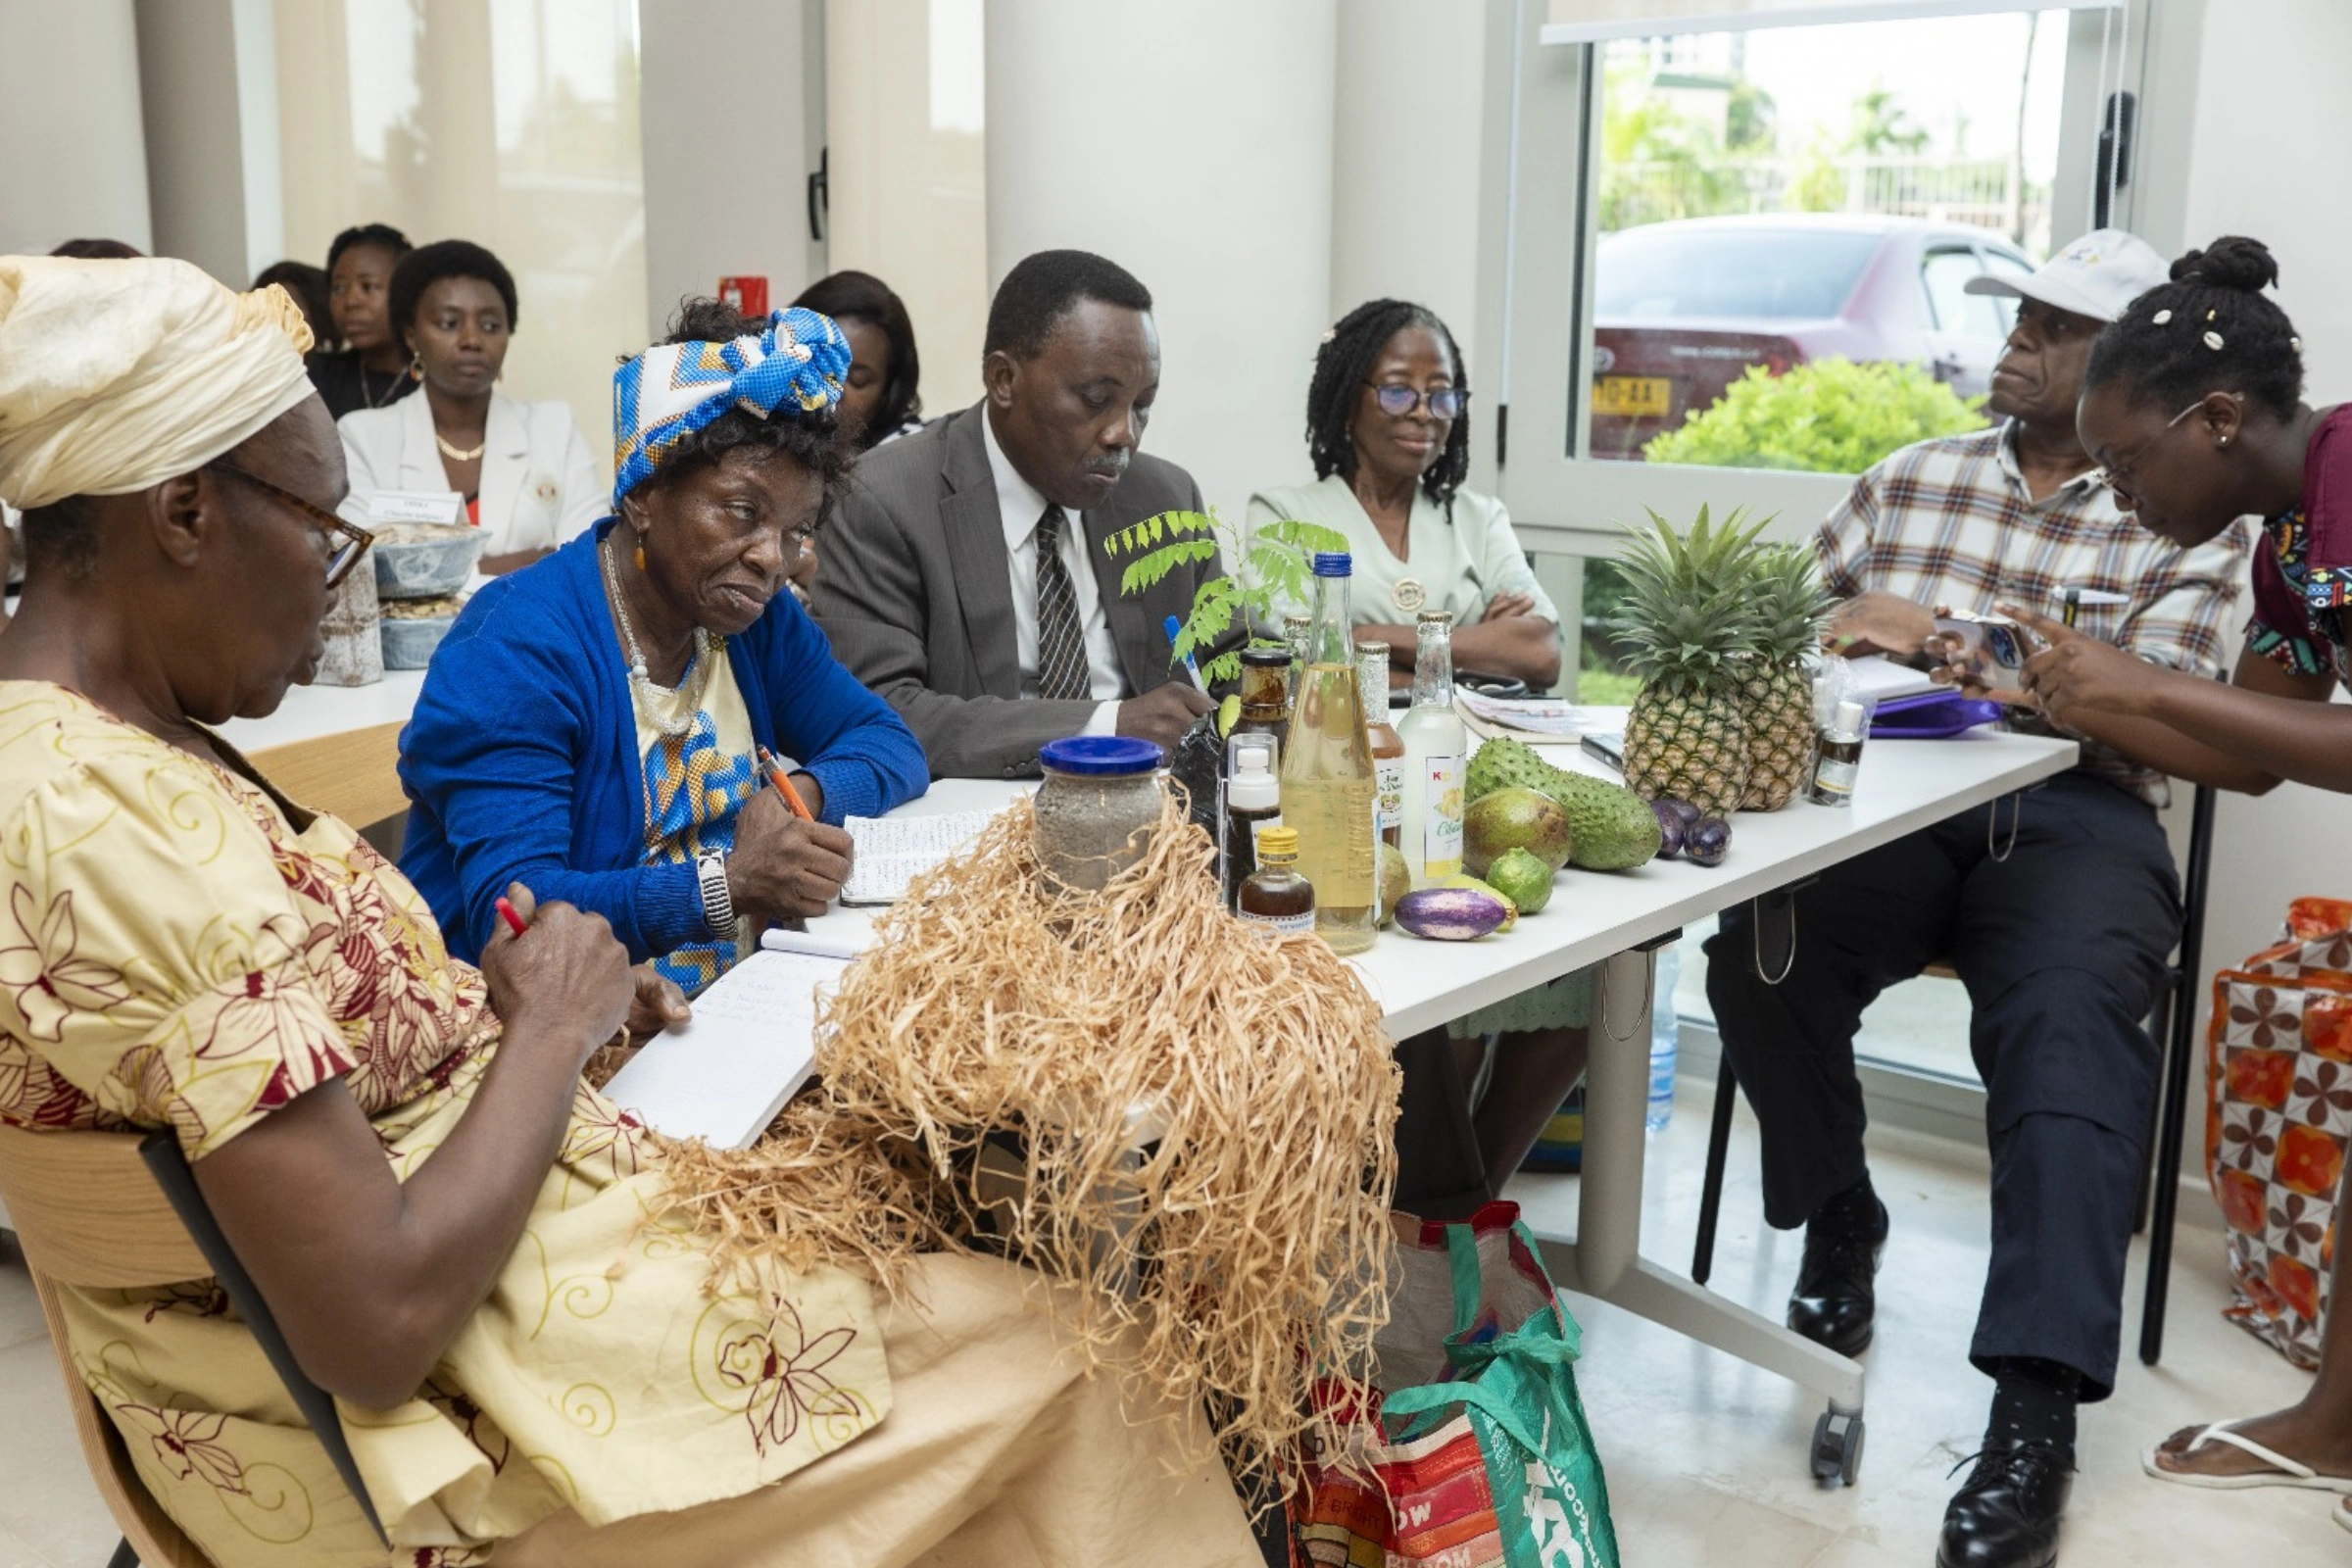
(1632, 396)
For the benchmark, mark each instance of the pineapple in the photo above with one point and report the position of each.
(1688, 613)
(1776, 691)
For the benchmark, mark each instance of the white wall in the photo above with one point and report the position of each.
(69, 116)
(2271, 109)
(208, 79)
(1191, 145)
(1404, 160)
(711, 214)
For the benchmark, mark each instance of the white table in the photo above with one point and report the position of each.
(310, 713)
(1615, 922)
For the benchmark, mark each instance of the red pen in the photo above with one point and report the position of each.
(515, 922)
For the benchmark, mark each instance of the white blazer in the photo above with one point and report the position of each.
(540, 483)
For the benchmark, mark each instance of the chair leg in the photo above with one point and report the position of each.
(123, 1556)
(2178, 1054)
(2160, 1033)
(1711, 1198)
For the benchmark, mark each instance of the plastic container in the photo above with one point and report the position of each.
(1665, 1038)
(425, 561)
(1094, 812)
(410, 640)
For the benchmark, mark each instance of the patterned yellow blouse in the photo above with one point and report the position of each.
(179, 947)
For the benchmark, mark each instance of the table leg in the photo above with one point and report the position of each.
(1604, 1260)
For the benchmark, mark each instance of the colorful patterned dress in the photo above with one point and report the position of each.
(2299, 610)
(700, 772)
(182, 948)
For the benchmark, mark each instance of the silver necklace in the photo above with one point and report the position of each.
(706, 645)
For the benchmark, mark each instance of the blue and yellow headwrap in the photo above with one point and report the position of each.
(673, 389)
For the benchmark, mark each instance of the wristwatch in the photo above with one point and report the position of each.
(718, 905)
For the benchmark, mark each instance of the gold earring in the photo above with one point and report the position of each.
(415, 366)
(641, 558)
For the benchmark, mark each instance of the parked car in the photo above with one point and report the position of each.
(1680, 308)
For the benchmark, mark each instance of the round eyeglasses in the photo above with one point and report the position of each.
(1396, 401)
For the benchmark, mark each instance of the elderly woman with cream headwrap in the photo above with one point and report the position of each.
(593, 725)
(462, 1241)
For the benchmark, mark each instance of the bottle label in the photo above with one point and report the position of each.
(1442, 817)
(1388, 799)
(1834, 782)
(1277, 925)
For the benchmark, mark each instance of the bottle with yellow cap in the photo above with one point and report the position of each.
(1275, 897)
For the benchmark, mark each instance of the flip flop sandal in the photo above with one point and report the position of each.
(2283, 1472)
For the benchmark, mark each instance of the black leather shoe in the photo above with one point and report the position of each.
(1835, 1304)
(2007, 1514)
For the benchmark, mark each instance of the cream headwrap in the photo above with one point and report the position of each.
(117, 376)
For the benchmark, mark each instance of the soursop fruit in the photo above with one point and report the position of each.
(1611, 828)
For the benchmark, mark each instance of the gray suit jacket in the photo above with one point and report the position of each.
(915, 591)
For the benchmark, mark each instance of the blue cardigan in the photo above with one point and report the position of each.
(521, 762)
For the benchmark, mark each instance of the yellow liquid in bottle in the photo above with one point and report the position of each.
(1327, 794)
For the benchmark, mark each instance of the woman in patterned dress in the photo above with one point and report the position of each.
(2194, 403)
(462, 1241)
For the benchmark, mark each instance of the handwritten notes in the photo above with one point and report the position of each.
(893, 850)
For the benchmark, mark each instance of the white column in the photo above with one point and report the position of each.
(70, 112)
(1405, 186)
(1193, 145)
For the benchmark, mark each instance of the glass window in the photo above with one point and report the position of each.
(1787, 219)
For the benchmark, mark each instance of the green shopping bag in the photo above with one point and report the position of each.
(1489, 1461)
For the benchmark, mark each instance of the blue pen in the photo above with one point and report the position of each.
(1174, 626)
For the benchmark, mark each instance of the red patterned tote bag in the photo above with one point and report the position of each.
(2279, 1117)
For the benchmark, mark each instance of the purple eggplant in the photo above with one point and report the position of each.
(1451, 914)
(1670, 829)
(1708, 843)
(1691, 814)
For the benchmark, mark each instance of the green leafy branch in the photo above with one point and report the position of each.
(1277, 566)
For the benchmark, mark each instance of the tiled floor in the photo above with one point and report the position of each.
(1706, 1458)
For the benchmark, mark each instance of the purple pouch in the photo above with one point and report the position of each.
(1931, 716)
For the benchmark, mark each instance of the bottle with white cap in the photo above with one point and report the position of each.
(1252, 805)
(1838, 755)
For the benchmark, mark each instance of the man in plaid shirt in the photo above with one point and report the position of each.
(2058, 907)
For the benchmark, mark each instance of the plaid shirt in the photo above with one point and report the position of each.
(1948, 521)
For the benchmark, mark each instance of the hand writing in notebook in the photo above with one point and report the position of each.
(784, 867)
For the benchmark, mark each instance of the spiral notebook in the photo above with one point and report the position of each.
(749, 1047)
(893, 850)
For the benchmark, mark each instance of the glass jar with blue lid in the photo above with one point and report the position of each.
(1093, 814)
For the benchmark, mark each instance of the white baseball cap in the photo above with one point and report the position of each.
(2097, 275)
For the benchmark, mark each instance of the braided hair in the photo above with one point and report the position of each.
(1342, 367)
(2210, 330)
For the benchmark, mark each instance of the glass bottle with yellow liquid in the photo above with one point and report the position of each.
(1327, 775)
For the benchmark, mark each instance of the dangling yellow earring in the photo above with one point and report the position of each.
(641, 558)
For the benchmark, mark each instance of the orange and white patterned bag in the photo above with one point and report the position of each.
(2279, 1117)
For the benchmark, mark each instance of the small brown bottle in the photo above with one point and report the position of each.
(1276, 898)
(1265, 695)
(1837, 758)
(1388, 747)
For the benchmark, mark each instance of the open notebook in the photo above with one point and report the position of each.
(749, 1045)
(893, 850)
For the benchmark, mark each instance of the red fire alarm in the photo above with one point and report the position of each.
(748, 293)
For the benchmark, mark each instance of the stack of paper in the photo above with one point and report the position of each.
(1527, 717)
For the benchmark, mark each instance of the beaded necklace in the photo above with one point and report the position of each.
(692, 688)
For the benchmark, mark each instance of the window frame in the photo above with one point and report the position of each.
(1539, 230)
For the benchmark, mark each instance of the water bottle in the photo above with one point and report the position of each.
(1664, 1035)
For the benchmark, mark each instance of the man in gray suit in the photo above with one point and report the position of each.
(965, 577)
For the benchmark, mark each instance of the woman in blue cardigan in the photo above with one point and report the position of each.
(590, 726)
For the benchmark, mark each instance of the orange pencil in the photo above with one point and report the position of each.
(776, 776)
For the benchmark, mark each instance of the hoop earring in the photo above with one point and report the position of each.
(415, 366)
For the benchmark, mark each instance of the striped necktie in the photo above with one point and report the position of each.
(1061, 672)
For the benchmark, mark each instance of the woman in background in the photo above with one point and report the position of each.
(1388, 431)
(881, 401)
(371, 369)
(527, 474)
(309, 289)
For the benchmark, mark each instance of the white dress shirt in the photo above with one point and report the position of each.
(1021, 506)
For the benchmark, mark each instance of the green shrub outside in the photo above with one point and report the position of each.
(1827, 416)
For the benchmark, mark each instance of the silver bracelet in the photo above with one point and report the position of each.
(718, 905)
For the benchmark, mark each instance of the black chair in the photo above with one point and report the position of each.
(2174, 1027)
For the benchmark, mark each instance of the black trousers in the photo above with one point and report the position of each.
(2062, 945)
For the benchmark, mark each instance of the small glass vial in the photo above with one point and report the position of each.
(1252, 805)
(1837, 758)
(1275, 899)
(1388, 747)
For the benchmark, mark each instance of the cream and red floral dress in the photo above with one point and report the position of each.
(181, 949)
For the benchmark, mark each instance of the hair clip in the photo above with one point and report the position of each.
(2209, 316)
(2161, 317)
(1330, 333)
(2295, 343)
(2212, 340)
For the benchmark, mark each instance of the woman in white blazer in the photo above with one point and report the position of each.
(526, 472)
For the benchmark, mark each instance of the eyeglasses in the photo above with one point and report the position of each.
(1445, 402)
(351, 542)
(2124, 477)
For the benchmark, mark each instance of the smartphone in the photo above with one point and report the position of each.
(1609, 749)
(1995, 650)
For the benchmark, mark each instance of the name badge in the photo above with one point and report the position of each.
(415, 506)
